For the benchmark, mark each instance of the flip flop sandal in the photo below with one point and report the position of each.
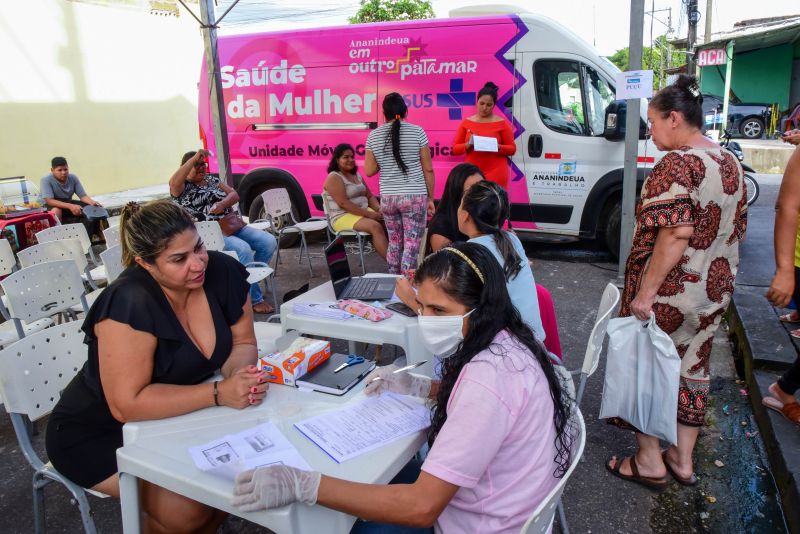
(263, 306)
(787, 318)
(790, 411)
(795, 333)
(688, 481)
(652, 483)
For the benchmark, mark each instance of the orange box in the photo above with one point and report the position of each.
(300, 355)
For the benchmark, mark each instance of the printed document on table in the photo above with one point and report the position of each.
(326, 310)
(259, 446)
(484, 144)
(365, 425)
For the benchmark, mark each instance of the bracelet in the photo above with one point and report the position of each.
(216, 392)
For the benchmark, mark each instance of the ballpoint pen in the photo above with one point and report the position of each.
(401, 370)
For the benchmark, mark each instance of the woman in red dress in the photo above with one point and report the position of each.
(486, 123)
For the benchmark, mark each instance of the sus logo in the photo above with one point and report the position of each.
(455, 99)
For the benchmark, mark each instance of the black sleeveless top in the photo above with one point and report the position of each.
(137, 300)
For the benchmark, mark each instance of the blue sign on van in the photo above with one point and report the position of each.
(567, 168)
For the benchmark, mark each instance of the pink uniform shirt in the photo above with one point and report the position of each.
(497, 443)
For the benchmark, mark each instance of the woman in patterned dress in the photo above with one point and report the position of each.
(206, 198)
(682, 265)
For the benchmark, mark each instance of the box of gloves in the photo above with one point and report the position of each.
(295, 356)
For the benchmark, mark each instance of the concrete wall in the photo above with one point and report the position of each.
(114, 90)
(758, 75)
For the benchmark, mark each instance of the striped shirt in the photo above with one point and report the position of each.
(392, 179)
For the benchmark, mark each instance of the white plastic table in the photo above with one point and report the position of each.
(397, 330)
(158, 451)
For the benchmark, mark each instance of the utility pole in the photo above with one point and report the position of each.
(709, 7)
(209, 26)
(693, 16)
(632, 119)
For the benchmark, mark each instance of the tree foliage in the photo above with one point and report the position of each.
(658, 58)
(388, 10)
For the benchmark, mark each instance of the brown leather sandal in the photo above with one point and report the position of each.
(652, 483)
(687, 481)
(790, 410)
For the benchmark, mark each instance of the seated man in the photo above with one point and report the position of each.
(57, 190)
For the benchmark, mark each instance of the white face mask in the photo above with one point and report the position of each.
(442, 334)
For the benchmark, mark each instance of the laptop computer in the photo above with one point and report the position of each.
(346, 286)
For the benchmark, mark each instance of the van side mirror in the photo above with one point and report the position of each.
(616, 115)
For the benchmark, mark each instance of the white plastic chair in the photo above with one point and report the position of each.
(33, 372)
(113, 221)
(608, 303)
(591, 359)
(112, 261)
(265, 225)
(278, 207)
(111, 235)
(211, 234)
(359, 235)
(34, 294)
(8, 264)
(541, 520)
(68, 231)
(65, 249)
(74, 231)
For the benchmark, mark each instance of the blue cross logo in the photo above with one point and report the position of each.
(455, 99)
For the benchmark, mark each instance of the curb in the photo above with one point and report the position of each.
(761, 348)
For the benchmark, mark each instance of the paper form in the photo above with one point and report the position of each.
(484, 144)
(255, 447)
(365, 425)
(327, 310)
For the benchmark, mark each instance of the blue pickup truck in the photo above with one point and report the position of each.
(744, 119)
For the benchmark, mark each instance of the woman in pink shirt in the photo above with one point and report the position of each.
(499, 435)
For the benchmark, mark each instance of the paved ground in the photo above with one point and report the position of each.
(738, 497)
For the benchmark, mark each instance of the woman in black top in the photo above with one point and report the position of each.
(175, 316)
(443, 228)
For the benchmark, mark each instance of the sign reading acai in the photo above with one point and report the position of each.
(634, 84)
(711, 57)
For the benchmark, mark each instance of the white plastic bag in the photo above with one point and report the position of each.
(642, 377)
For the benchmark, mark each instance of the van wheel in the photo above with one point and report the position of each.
(612, 228)
(256, 212)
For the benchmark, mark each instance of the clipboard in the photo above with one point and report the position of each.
(324, 380)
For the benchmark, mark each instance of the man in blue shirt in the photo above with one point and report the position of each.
(57, 190)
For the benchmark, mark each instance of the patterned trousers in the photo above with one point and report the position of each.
(405, 217)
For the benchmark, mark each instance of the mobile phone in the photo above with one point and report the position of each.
(402, 309)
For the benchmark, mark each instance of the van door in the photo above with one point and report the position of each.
(565, 154)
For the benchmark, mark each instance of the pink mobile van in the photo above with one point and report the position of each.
(290, 97)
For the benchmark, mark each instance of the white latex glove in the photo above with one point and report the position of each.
(403, 383)
(273, 487)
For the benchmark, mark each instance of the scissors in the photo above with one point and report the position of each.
(351, 360)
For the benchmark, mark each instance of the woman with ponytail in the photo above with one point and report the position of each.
(399, 150)
(501, 432)
(483, 212)
(486, 123)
